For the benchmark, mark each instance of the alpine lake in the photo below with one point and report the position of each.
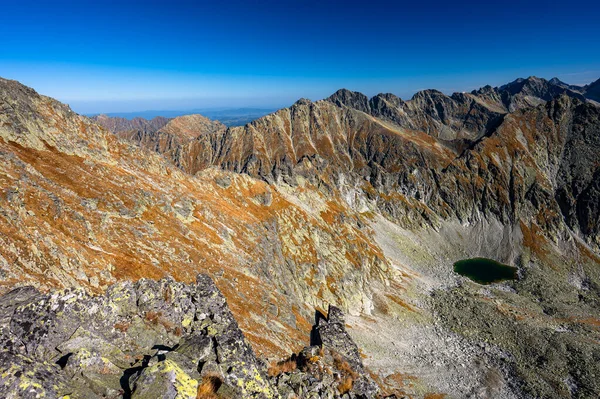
(485, 271)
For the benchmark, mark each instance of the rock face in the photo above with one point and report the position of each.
(332, 334)
(154, 339)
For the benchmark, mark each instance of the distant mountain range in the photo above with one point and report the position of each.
(227, 116)
(506, 98)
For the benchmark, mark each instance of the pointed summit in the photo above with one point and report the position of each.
(595, 83)
(351, 99)
(517, 85)
(303, 101)
(428, 93)
(592, 91)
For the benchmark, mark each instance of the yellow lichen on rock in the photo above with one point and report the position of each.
(151, 384)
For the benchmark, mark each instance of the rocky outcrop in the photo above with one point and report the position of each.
(331, 334)
(148, 339)
(158, 339)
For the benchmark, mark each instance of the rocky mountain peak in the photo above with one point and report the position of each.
(594, 84)
(16, 88)
(533, 91)
(427, 94)
(303, 101)
(559, 83)
(531, 83)
(37, 121)
(593, 91)
(351, 99)
(483, 90)
(386, 105)
(188, 127)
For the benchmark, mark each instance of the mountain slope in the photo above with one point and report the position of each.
(80, 208)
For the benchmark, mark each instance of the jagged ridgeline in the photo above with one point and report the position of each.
(361, 203)
(526, 150)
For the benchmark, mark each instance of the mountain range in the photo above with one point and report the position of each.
(227, 116)
(363, 204)
(379, 143)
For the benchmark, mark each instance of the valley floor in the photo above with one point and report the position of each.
(445, 336)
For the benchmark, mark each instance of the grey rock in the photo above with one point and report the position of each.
(332, 369)
(143, 339)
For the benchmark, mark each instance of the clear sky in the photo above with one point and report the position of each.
(105, 56)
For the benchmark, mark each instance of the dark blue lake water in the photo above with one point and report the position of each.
(485, 271)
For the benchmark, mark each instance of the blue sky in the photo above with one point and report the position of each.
(108, 56)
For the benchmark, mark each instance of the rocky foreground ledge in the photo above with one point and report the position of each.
(161, 339)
